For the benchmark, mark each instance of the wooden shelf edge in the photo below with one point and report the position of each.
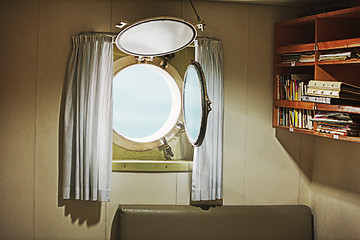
(300, 21)
(312, 132)
(296, 64)
(296, 48)
(352, 61)
(294, 104)
(340, 13)
(294, 129)
(317, 106)
(339, 44)
(338, 108)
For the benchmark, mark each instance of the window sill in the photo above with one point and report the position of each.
(152, 166)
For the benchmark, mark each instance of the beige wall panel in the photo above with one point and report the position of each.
(18, 67)
(139, 188)
(59, 20)
(336, 190)
(228, 22)
(142, 188)
(133, 11)
(271, 172)
(183, 188)
(307, 145)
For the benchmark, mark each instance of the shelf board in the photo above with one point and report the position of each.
(296, 48)
(338, 108)
(343, 13)
(339, 44)
(295, 64)
(317, 106)
(307, 20)
(294, 104)
(311, 132)
(350, 61)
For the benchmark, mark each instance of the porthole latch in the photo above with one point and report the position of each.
(208, 105)
(168, 153)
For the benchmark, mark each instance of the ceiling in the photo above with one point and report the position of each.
(301, 3)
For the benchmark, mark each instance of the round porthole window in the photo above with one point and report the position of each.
(146, 103)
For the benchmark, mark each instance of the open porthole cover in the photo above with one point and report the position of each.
(196, 104)
(158, 36)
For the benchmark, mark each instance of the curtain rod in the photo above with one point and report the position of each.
(109, 34)
(207, 38)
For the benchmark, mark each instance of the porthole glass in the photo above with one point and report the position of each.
(196, 104)
(146, 103)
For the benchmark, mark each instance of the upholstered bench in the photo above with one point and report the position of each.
(163, 222)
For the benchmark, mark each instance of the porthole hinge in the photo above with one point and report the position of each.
(165, 60)
(142, 59)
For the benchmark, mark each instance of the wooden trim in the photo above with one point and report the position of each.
(296, 48)
(295, 64)
(338, 108)
(350, 61)
(312, 132)
(347, 12)
(339, 44)
(317, 106)
(300, 21)
(294, 104)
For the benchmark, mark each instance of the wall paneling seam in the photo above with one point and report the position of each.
(36, 111)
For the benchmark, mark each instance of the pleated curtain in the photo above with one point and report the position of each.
(207, 183)
(87, 145)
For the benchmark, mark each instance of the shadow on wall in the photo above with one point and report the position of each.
(88, 212)
(337, 164)
(114, 227)
(300, 147)
(328, 162)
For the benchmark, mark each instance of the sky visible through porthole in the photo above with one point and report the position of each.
(142, 101)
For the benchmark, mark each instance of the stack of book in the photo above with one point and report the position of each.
(307, 57)
(337, 123)
(291, 57)
(339, 56)
(332, 92)
(299, 57)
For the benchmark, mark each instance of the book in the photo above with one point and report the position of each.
(329, 100)
(333, 85)
(292, 86)
(337, 123)
(344, 94)
(335, 56)
(297, 118)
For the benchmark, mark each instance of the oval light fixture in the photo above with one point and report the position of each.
(158, 36)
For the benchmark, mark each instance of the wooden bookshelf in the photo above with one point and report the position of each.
(322, 33)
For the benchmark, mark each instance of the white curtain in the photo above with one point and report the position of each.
(87, 146)
(207, 166)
